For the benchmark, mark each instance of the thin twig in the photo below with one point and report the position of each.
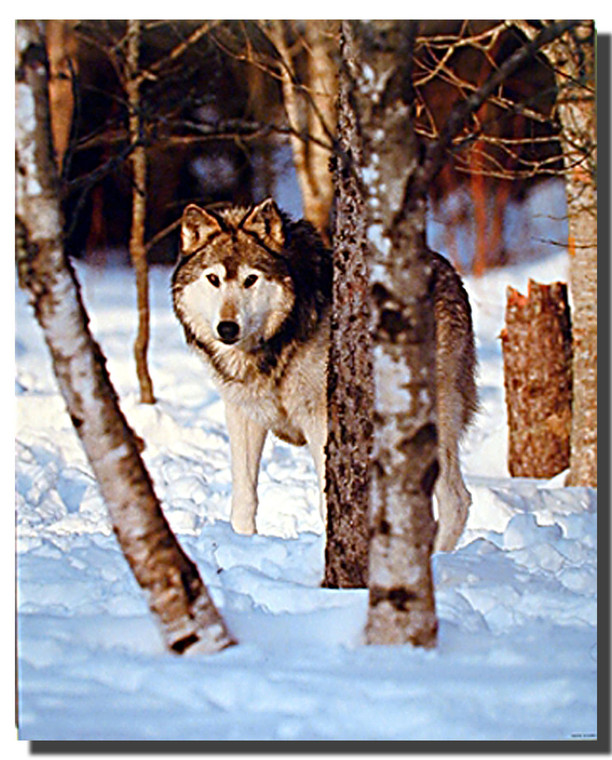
(436, 153)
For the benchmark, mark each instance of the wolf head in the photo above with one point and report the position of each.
(232, 284)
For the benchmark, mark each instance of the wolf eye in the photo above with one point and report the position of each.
(250, 280)
(213, 279)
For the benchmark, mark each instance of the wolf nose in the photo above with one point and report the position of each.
(228, 331)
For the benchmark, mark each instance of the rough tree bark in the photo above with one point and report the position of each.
(572, 57)
(138, 251)
(176, 593)
(350, 389)
(537, 349)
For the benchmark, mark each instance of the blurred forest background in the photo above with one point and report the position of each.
(234, 111)
(149, 116)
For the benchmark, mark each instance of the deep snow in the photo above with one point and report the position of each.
(516, 601)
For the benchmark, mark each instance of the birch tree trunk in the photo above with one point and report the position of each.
(404, 454)
(176, 594)
(573, 57)
(138, 251)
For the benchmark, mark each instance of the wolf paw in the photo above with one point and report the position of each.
(243, 525)
(446, 538)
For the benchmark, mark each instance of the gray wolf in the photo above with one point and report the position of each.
(252, 290)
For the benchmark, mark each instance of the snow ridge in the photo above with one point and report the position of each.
(517, 599)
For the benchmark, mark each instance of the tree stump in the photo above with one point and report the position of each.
(537, 351)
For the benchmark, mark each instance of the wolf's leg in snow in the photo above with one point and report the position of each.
(453, 500)
(316, 436)
(247, 439)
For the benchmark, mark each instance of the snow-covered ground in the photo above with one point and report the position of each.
(517, 653)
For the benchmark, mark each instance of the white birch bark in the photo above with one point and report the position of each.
(176, 594)
(404, 456)
(573, 57)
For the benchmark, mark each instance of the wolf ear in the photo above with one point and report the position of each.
(266, 221)
(196, 226)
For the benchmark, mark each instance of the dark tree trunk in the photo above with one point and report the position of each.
(175, 591)
(537, 349)
(350, 389)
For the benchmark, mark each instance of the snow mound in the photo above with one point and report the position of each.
(516, 601)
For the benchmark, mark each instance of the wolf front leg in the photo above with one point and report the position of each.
(247, 439)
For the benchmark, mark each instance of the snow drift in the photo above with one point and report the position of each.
(516, 601)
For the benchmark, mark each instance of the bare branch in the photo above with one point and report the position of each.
(436, 153)
(162, 234)
(451, 44)
(153, 71)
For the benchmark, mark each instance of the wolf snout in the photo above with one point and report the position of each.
(228, 331)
